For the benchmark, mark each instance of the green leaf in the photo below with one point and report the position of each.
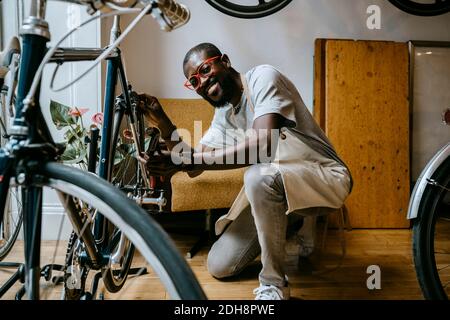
(75, 135)
(73, 155)
(60, 115)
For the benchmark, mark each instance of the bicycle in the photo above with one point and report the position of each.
(267, 7)
(429, 209)
(30, 160)
(12, 219)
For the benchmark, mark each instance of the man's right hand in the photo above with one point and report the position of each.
(154, 112)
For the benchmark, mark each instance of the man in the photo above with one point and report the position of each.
(292, 164)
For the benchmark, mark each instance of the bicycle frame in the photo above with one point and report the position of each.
(31, 139)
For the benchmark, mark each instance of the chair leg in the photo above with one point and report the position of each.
(342, 227)
(347, 222)
(204, 238)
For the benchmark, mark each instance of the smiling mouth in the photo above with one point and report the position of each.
(212, 88)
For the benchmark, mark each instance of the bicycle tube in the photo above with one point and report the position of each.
(104, 170)
(148, 237)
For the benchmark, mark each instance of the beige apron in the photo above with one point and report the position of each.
(310, 179)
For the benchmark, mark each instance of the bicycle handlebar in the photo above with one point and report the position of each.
(168, 13)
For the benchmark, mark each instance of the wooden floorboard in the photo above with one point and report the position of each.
(389, 249)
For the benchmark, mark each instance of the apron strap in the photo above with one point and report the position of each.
(247, 92)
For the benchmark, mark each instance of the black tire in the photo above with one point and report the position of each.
(146, 235)
(431, 233)
(11, 221)
(249, 11)
(422, 9)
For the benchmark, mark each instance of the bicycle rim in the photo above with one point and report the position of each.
(168, 271)
(419, 8)
(431, 238)
(263, 9)
(12, 221)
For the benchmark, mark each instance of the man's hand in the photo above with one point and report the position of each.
(164, 163)
(154, 112)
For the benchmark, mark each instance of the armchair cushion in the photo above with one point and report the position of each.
(211, 189)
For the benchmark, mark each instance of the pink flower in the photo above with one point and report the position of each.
(127, 134)
(97, 118)
(78, 112)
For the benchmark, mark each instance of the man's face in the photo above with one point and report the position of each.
(212, 77)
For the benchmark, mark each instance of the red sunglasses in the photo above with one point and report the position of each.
(203, 71)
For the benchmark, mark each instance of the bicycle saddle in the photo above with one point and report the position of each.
(6, 55)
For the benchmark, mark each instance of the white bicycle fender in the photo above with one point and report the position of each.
(422, 182)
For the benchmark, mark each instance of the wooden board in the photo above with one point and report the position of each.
(319, 82)
(367, 119)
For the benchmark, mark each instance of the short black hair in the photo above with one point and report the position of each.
(210, 49)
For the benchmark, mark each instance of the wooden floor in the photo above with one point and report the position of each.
(389, 249)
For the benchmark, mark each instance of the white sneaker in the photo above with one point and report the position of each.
(270, 292)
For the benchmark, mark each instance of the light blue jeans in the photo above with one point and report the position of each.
(259, 229)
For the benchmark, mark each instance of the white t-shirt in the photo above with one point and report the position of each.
(271, 92)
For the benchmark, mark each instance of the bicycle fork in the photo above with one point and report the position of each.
(32, 222)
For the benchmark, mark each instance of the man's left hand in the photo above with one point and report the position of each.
(164, 163)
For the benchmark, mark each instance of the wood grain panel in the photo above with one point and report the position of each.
(367, 119)
(319, 82)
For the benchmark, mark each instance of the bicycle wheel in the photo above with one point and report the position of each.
(431, 237)
(241, 8)
(155, 249)
(424, 7)
(12, 221)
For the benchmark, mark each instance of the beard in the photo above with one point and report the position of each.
(227, 84)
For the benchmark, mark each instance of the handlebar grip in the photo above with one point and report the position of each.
(171, 15)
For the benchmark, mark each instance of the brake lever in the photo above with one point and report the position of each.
(13, 68)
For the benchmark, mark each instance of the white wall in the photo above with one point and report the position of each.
(285, 40)
(61, 17)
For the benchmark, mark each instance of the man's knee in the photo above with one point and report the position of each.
(217, 267)
(257, 178)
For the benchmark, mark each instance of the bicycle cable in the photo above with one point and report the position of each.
(29, 97)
